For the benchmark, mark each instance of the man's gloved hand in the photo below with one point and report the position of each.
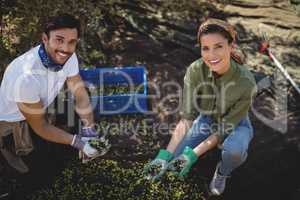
(88, 133)
(84, 147)
(156, 168)
(101, 144)
(96, 140)
(182, 164)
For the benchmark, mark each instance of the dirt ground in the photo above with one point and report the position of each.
(272, 168)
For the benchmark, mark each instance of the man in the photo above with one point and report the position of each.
(33, 80)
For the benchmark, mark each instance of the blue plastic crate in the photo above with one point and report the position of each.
(117, 104)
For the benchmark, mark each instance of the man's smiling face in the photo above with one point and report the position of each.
(60, 44)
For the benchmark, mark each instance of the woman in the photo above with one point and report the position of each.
(218, 91)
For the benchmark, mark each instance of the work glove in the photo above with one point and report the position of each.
(96, 140)
(84, 147)
(88, 133)
(182, 164)
(156, 168)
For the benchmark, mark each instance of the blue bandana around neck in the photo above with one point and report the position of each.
(47, 61)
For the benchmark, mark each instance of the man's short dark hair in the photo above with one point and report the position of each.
(62, 21)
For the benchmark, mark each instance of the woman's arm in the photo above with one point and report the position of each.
(182, 127)
(206, 145)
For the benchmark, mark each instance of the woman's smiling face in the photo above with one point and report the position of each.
(215, 51)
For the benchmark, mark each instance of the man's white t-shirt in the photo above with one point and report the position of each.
(27, 80)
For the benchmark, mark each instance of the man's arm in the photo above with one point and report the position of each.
(83, 106)
(35, 117)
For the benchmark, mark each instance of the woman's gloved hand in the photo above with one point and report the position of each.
(156, 168)
(182, 164)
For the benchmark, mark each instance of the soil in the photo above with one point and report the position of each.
(272, 168)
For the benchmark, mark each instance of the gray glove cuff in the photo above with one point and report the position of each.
(77, 142)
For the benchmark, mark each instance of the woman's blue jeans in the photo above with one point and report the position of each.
(234, 147)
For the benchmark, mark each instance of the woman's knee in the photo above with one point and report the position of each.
(234, 153)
